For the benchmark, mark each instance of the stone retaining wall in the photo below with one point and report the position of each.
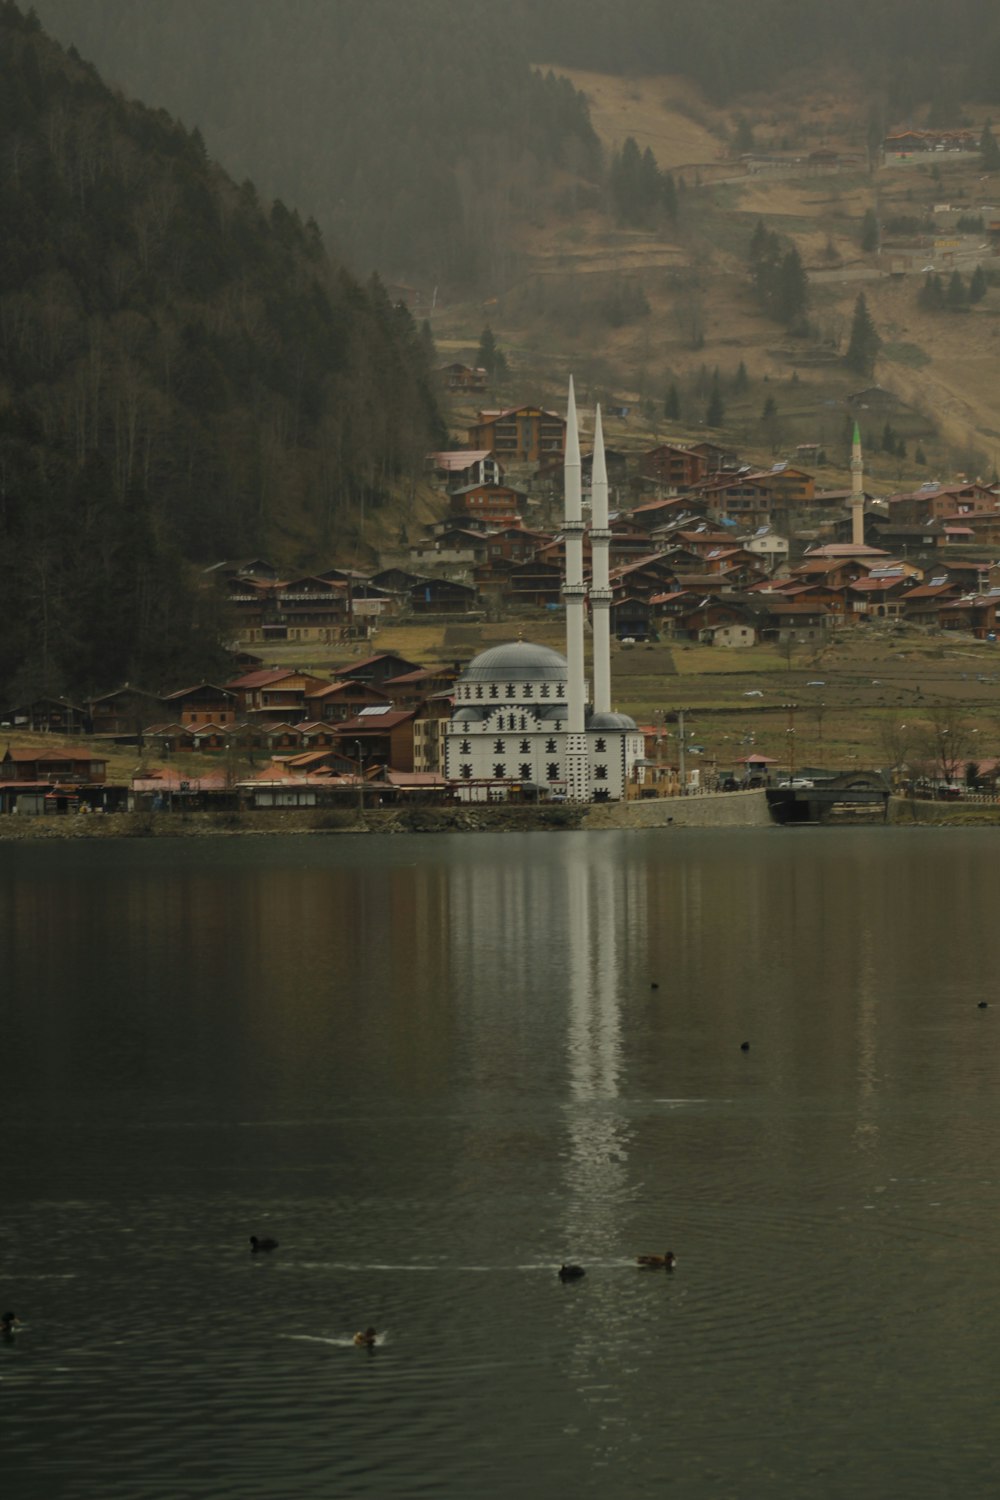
(713, 810)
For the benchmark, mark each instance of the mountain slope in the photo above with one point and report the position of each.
(183, 374)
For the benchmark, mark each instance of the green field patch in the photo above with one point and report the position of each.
(906, 354)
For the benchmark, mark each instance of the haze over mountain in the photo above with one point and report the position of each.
(184, 375)
(418, 131)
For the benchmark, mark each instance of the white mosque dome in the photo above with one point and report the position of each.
(611, 721)
(520, 661)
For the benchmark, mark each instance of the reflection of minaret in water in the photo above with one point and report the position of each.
(600, 589)
(577, 767)
(857, 490)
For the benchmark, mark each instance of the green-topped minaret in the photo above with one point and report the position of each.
(857, 490)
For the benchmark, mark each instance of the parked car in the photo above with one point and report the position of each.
(797, 783)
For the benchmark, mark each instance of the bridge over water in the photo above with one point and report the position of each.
(795, 804)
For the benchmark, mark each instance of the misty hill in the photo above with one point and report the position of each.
(183, 375)
(413, 132)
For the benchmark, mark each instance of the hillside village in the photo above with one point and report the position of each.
(704, 548)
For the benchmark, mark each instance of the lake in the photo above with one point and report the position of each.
(436, 1067)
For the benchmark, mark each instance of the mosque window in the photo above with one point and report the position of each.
(499, 770)
(479, 690)
(544, 690)
(553, 771)
(510, 690)
(525, 746)
(494, 690)
(600, 746)
(465, 748)
(600, 773)
(465, 772)
(600, 794)
(560, 688)
(522, 723)
(512, 722)
(527, 690)
(498, 747)
(558, 724)
(550, 745)
(525, 771)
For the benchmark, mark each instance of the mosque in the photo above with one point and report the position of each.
(521, 713)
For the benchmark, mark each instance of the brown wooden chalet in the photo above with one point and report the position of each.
(122, 712)
(465, 466)
(336, 701)
(204, 704)
(442, 596)
(272, 694)
(498, 504)
(941, 502)
(47, 716)
(520, 434)
(975, 613)
(463, 378)
(376, 670)
(51, 766)
(379, 736)
(537, 583)
(674, 466)
(411, 689)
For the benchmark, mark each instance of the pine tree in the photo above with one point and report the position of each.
(670, 203)
(869, 231)
(793, 288)
(989, 150)
(864, 342)
(741, 379)
(956, 297)
(977, 285)
(715, 411)
(920, 457)
(672, 405)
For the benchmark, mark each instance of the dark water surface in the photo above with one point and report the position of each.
(436, 1067)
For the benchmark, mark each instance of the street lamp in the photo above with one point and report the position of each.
(361, 777)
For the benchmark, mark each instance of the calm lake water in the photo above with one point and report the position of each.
(434, 1068)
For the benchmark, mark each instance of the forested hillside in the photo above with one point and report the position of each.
(413, 132)
(183, 376)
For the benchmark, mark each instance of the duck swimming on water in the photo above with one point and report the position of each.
(256, 1244)
(663, 1262)
(8, 1323)
(366, 1339)
(571, 1273)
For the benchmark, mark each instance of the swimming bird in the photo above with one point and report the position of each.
(744, 1046)
(657, 1262)
(365, 1339)
(983, 1005)
(256, 1244)
(571, 1273)
(654, 985)
(8, 1323)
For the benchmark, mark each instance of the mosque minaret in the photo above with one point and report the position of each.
(600, 588)
(574, 594)
(857, 490)
(520, 718)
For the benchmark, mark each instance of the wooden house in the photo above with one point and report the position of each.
(376, 670)
(462, 378)
(204, 704)
(520, 434)
(379, 736)
(497, 504)
(465, 466)
(51, 766)
(340, 700)
(674, 466)
(122, 712)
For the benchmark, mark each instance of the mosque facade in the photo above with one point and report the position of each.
(523, 715)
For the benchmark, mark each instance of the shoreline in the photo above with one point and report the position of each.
(724, 810)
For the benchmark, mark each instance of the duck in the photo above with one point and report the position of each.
(366, 1339)
(744, 1046)
(256, 1244)
(571, 1273)
(8, 1323)
(664, 1262)
(984, 1005)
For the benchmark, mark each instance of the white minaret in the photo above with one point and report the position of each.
(857, 490)
(577, 779)
(600, 590)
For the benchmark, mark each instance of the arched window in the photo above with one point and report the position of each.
(544, 690)
(560, 689)
(499, 770)
(465, 748)
(522, 723)
(553, 771)
(465, 772)
(498, 747)
(527, 690)
(525, 746)
(494, 690)
(479, 690)
(525, 771)
(550, 746)
(600, 746)
(600, 773)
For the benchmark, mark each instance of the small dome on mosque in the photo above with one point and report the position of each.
(519, 661)
(467, 716)
(611, 721)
